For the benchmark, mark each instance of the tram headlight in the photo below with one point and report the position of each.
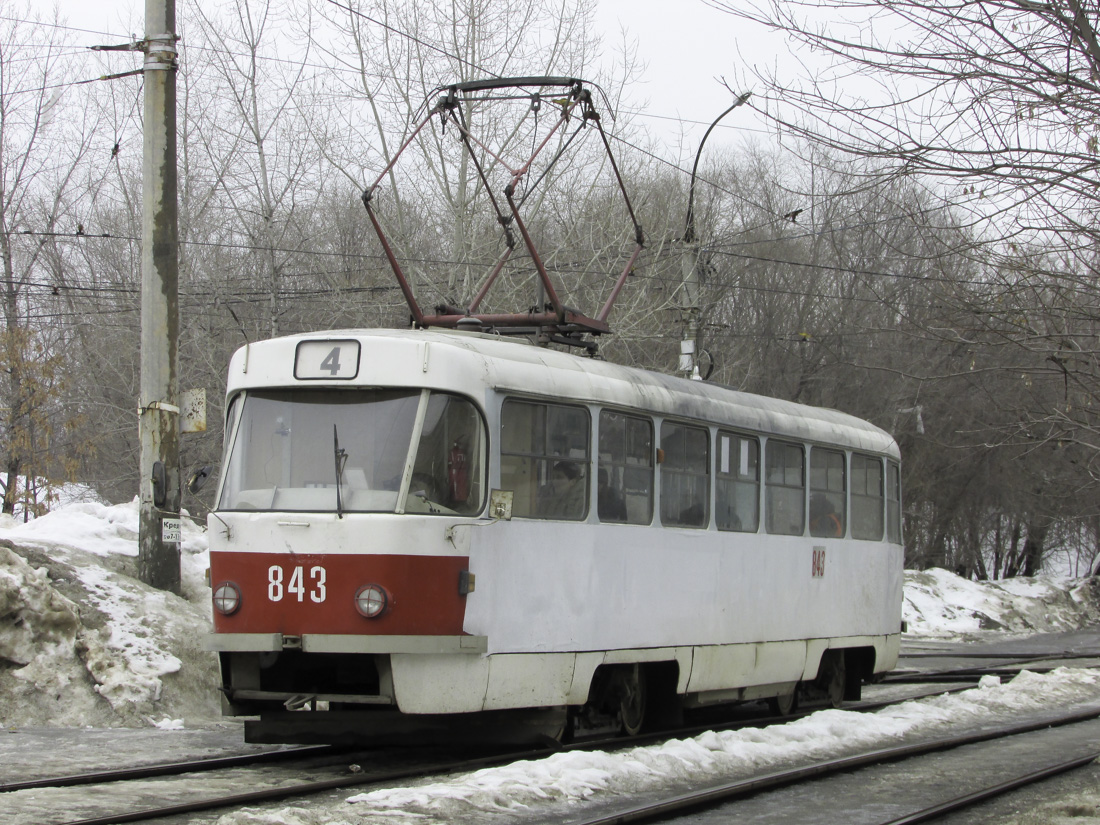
(371, 600)
(227, 598)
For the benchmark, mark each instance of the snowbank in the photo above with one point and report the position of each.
(82, 641)
(941, 605)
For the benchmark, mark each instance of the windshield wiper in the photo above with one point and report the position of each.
(341, 457)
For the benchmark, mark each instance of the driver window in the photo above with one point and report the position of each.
(448, 471)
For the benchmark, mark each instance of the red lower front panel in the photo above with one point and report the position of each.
(299, 594)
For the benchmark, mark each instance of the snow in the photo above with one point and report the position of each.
(719, 756)
(939, 604)
(83, 643)
(46, 495)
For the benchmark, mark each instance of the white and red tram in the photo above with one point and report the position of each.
(425, 531)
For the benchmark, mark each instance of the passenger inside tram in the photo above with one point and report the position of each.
(566, 493)
(610, 503)
(824, 521)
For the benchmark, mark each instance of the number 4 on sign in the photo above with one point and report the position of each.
(327, 360)
(332, 362)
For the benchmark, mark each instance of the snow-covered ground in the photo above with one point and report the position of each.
(84, 643)
(940, 605)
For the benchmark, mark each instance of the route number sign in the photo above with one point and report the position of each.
(326, 360)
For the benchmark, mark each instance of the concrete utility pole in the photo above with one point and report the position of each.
(689, 307)
(158, 407)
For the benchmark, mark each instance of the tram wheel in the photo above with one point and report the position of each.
(630, 688)
(785, 704)
(832, 677)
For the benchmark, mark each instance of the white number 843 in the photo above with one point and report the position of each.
(297, 586)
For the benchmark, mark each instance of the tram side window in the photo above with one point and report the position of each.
(685, 487)
(893, 502)
(544, 459)
(828, 508)
(867, 498)
(785, 489)
(448, 471)
(737, 486)
(624, 492)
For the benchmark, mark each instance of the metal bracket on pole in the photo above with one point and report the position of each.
(160, 53)
(161, 406)
(134, 46)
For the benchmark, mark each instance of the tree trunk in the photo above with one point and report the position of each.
(1033, 548)
(11, 489)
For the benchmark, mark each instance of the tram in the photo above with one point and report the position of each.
(424, 532)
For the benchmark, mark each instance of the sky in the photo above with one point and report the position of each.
(687, 48)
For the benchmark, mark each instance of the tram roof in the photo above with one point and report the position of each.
(473, 362)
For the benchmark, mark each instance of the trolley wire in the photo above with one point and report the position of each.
(647, 253)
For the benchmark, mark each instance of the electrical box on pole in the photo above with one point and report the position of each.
(158, 406)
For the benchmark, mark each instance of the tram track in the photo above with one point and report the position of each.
(353, 776)
(992, 791)
(338, 760)
(169, 768)
(682, 803)
(1009, 666)
(345, 756)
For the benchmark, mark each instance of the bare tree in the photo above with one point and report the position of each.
(997, 98)
(992, 106)
(44, 136)
(268, 165)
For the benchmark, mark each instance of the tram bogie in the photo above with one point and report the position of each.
(420, 532)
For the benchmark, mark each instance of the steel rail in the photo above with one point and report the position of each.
(972, 677)
(243, 760)
(1001, 669)
(783, 778)
(366, 778)
(304, 789)
(211, 763)
(993, 791)
(1022, 657)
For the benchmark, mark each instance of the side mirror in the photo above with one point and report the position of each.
(199, 478)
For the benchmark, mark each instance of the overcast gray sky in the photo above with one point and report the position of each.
(686, 46)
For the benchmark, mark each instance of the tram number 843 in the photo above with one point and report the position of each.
(819, 562)
(297, 586)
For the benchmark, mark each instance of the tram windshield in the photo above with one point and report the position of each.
(354, 451)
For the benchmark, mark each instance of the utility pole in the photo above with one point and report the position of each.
(689, 307)
(158, 406)
(690, 269)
